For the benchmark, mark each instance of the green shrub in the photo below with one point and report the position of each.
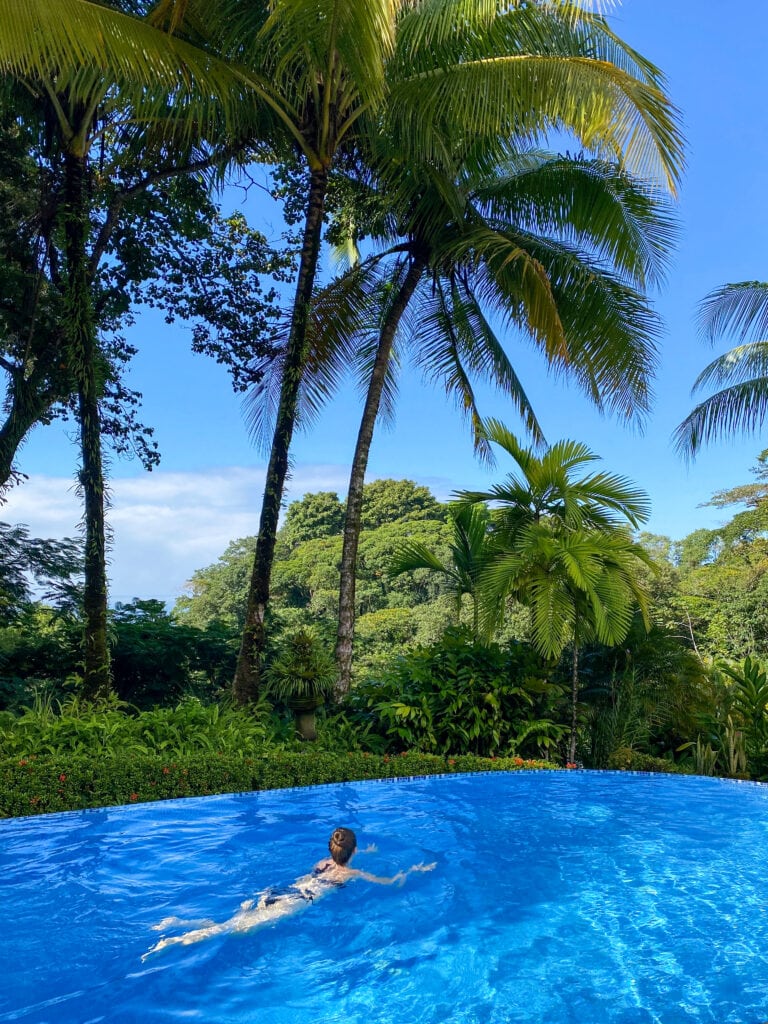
(75, 727)
(38, 785)
(629, 760)
(460, 697)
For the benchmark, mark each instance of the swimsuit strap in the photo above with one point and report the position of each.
(336, 883)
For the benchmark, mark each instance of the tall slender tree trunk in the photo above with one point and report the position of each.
(80, 335)
(346, 629)
(574, 700)
(248, 670)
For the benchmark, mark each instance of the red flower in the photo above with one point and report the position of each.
(570, 764)
(134, 796)
(404, 754)
(22, 762)
(518, 760)
(451, 760)
(386, 758)
(62, 777)
(166, 771)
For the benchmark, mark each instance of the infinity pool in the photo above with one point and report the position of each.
(558, 898)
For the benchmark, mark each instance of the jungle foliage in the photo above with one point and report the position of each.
(689, 692)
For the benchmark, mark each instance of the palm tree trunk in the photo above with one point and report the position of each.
(574, 701)
(346, 629)
(248, 670)
(80, 335)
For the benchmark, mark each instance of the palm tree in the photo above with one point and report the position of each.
(93, 71)
(320, 72)
(469, 549)
(515, 67)
(549, 489)
(530, 240)
(560, 547)
(741, 374)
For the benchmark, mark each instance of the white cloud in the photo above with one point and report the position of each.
(164, 525)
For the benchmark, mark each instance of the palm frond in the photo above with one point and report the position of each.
(740, 310)
(739, 364)
(590, 204)
(368, 347)
(342, 314)
(510, 279)
(413, 555)
(549, 490)
(532, 73)
(741, 408)
(482, 352)
(87, 49)
(609, 328)
(334, 39)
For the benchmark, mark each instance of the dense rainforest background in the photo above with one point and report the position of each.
(688, 689)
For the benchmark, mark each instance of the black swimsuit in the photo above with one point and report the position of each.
(293, 892)
(332, 883)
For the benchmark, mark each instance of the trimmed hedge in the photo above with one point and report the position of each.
(631, 761)
(40, 785)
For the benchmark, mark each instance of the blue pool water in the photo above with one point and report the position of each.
(558, 898)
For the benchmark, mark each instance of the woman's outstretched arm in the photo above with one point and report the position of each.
(397, 879)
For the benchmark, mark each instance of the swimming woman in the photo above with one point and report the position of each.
(328, 874)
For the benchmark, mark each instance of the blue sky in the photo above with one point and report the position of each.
(208, 488)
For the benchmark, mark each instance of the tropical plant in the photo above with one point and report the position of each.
(734, 750)
(456, 697)
(489, 226)
(704, 757)
(469, 553)
(561, 547)
(747, 706)
(39, 654)
(320, 76)
(157, 660)
(741, 374)
(650, 693)
(301, 673)
(53, 728)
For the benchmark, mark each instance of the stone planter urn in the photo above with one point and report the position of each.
(304, 709)
(301, 676)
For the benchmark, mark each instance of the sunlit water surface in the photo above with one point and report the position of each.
(558, 898)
